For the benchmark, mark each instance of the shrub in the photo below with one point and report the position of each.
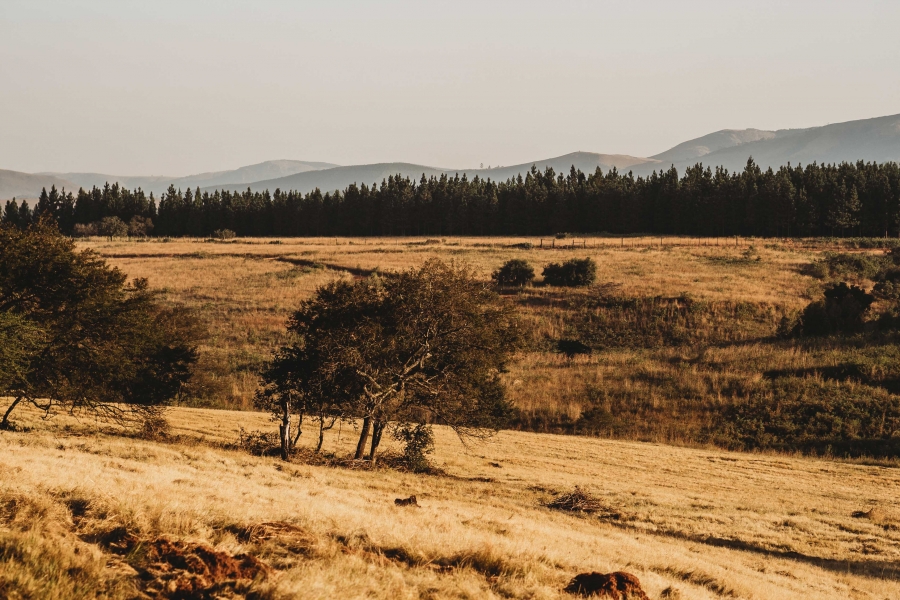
(224, 234)
(515, 272)
(418, 442)
(85, 229)
(575, 272)
(841, 311)
(850, 266)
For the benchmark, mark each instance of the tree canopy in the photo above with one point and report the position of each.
(79, 336)
(425, 345)
(859, 198)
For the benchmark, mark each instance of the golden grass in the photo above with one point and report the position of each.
(247, 288)
(705, 523)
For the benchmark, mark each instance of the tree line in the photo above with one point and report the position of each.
(861, 199)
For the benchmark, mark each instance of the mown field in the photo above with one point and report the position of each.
(87, 513)
(683, 329)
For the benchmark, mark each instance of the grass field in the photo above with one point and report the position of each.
(689, 523)
(246, 289)
(672, 392)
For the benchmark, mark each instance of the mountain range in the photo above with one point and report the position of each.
(875, 139)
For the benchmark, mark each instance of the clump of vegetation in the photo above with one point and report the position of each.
(817, 416)
(843, 310)
(856, 266)
(418, 443)
(577, 500)
(224, 234)
(79, 337)
(575, 272)
(612, 321)
(514, 273)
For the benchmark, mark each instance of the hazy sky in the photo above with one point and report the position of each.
(174, 88)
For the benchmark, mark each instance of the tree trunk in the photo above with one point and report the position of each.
(285, 431)
(363, 438)
(376, 439)
(321, 433)
(4, 424)
(299, 431)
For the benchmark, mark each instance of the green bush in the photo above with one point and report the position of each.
(515, 272)
(575, 272)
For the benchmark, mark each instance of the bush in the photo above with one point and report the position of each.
(843, 310)
(418, 442)
(850, 266)
(224, 234)
(515, 272)
(85, 229)
(575, 272)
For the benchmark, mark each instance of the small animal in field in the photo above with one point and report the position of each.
(411, 501)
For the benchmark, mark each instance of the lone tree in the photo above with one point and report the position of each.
(77, 337)
(516, 272)
(424, 345)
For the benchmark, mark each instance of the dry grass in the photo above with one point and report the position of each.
(246, 289)
(706, 523)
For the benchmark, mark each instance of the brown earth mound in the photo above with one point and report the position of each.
(616, 586)
(182, 570)
(177, 569)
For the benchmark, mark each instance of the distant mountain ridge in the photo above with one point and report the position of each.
(876, 139)
(339, 178)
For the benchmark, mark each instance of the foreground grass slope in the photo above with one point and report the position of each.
(689, 523)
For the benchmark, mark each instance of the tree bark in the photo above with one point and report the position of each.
(4, 424)
(363, 438)
(377, 430)
(321, 433)
(285, 431)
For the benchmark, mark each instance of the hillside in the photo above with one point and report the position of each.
(26, 186)
(82, 513)
(158, 184)
(340, 177)
(868, 140)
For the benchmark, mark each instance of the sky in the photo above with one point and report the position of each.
(176, 88)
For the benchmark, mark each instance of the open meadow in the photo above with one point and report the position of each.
(83, 513)
(697, 337)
